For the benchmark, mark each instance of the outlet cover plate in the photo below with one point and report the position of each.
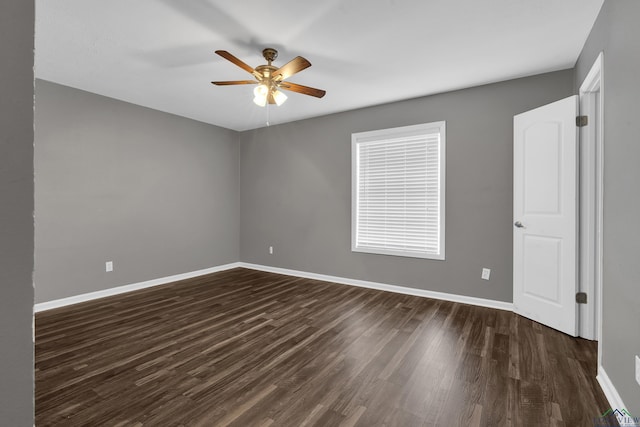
(486, 273)
(638, 370)
(108, 266)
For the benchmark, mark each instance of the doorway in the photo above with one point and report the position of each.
(545, 291)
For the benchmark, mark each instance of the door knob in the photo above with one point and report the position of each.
(518, 224)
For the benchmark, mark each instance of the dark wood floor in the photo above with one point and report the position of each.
(248, 348)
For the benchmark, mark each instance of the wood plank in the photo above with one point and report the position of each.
(249, 348)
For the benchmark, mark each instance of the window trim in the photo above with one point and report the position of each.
(392, 133)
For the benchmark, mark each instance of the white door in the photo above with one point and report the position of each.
(545, 185)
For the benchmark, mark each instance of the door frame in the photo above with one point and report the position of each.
(591, 95)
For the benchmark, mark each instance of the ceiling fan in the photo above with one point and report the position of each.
(270, 78)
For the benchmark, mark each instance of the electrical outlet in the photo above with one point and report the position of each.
(108, 266)
(486, 273)
(270, 250)
(638, 370)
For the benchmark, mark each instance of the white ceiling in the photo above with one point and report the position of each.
(160, 53)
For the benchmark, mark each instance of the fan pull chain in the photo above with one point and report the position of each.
(268, 124)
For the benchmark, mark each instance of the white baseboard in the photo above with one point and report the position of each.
(609, 390)
(500, 305)
(335, 279)
(128, 288)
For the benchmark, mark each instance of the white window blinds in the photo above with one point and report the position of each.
(398, 200)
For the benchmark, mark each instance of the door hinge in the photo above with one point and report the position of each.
(581, 297)
(582, 121)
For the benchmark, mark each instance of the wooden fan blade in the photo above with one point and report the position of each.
(235, 82)
(305, 90)
(229, 57)
(296, 65)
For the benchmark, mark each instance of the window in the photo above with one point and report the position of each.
(398, 191)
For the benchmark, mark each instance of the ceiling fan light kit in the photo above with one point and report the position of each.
(262, 92)
(271, 79)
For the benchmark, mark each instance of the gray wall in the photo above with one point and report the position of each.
(296, 189)
(155, 193)
(616, 32)
(16, 212)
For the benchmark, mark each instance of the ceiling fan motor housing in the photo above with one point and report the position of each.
(266, 71)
